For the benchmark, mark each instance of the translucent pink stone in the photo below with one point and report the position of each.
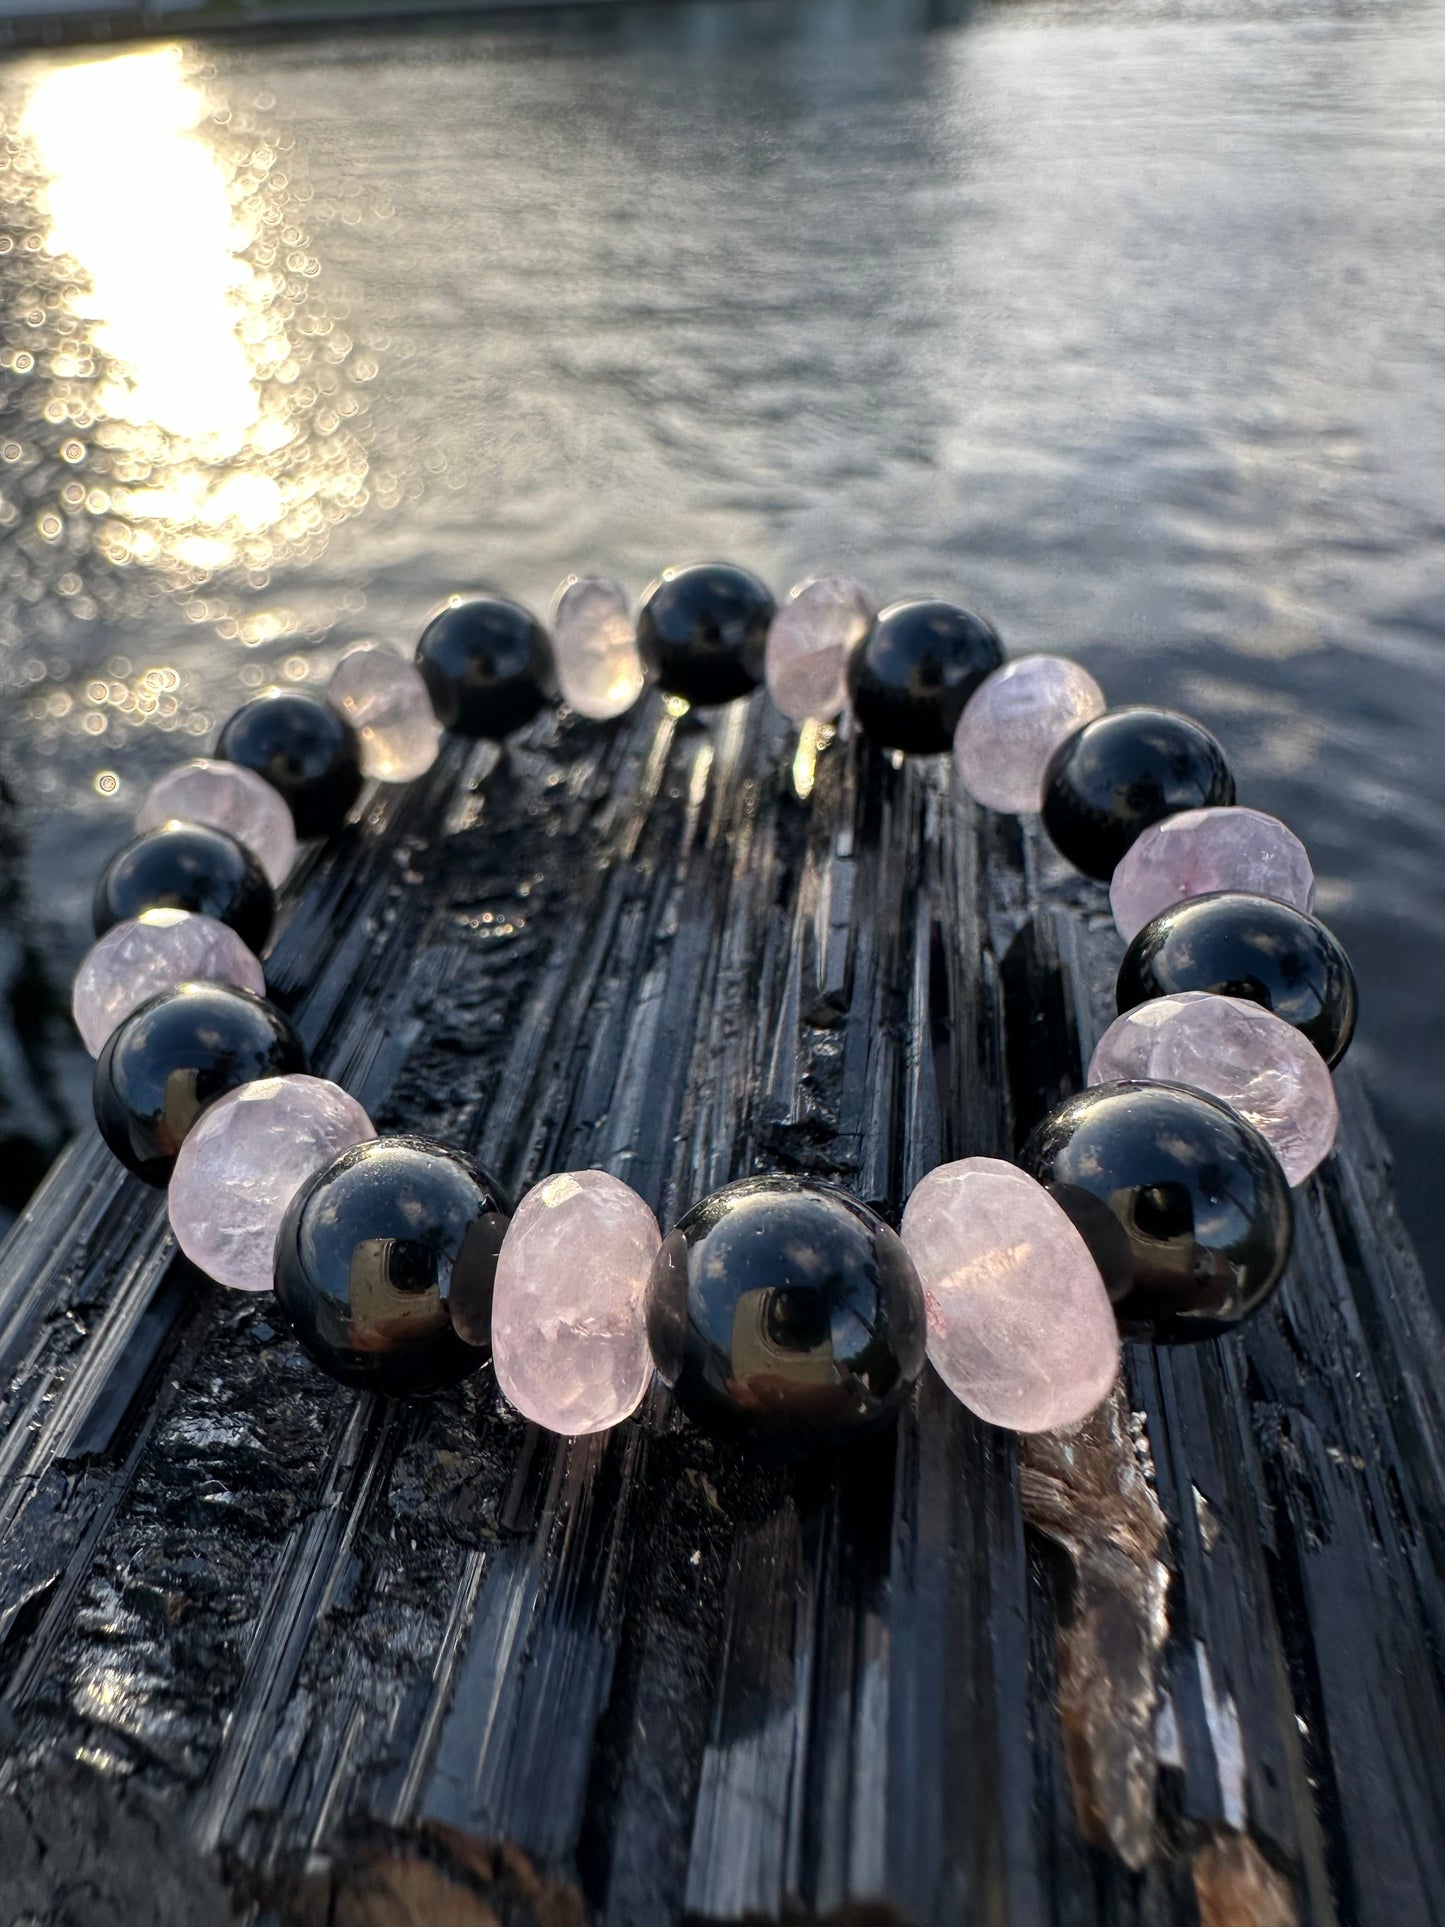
(145, 955)
(599, 671)
(228, 798)
(809, 643)
(569, 1344)
(245, 1160)
(1020, 1327)
(1013, 723)
(1199, 851)
(389, 706)
(1236, 1051)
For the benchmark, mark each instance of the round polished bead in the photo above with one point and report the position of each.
(244, 1160)
(488, 665)
(911, 676)
(388, 705)
(175, 1056)
(186, 866)
(1249, 1059)
(1020, 1327)
(703, 631)
(1244, 946)
(811, 638)
(153, 952)
(1183, 1205)
(1014, 722)
(783, 1310)
(594, 639)
(1110, 780)
(228, 798)
(569, 1333)
(374, 1253)
(1200, 852)
(304, 750)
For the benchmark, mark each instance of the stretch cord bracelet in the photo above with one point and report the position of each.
(1154, 1204)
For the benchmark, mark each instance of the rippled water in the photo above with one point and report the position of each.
(1122, 324)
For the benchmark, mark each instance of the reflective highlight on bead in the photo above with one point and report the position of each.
(1121, 772)
(594, 641)
(1014, 722)
(186, 866)
(1249, 1059)
(1202, 851)
(912, 675)
(387, 703)
(136, 959)
(569, 1333)
(304, 749)
(230, 798)
(809, 643)
(245, 1160)
(1020, 1327)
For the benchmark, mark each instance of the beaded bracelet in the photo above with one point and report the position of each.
(1154, 1204)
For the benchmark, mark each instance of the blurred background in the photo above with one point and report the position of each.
(1120, 323)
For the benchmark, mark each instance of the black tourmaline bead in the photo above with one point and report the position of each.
(1245, 946)
(488, 664)
(176, 1054)
(910, 677)
(1183, 1204)
(1111, 779)
(304, 750)
(785, 1311)
(702, 632)
(187, 866)
(385, 1262)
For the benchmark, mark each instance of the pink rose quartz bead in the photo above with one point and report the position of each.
(569, 1339)
(1013, 723)
(1020, 1327)
(594, 639)
(136, 960)
(245, 1159)
(227, 797)
(809, 643)
(1200, 851)
(389, 706)
(1239, 1052)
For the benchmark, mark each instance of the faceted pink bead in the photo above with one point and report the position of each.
(145, 955)
(1020, 1327)
(227, 797)
(1013, 723)
(1240, 1053)
(389, 706)
(569, 1342)
(245, 1159)
(1200, 851)
(809, 643)
(594, 639)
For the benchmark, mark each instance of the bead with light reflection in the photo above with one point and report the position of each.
(144, 955)
(304, 750)
(911, 676)
(594, 640)
(783, 1311)
(1013, 723)
(811, 638)
(702, 632)
(228, 798)
(186, 866)
(488, 665)
(385, 1263)
(1201, 852)
(1113, 778)
(386, 701)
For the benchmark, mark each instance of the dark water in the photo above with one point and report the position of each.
(1122, 324)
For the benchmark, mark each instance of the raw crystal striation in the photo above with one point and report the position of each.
(227, 797)
(594, 641)
(1199, 852)
(569, 1339)
(136, 960)
(1013, 724)
(1237, 1051)
(245, 1160)
(389, 706)
(809, 643)
(1019, 1324)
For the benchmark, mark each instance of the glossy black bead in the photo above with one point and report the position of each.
(909, 678)
(176, 1054)
(187, 866)
(702, 631)
(385, 1263)
(488, 664)
(1183, 1205)
(785, 1311)
(304, 750)
(1247, 946)
(1123, 771)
